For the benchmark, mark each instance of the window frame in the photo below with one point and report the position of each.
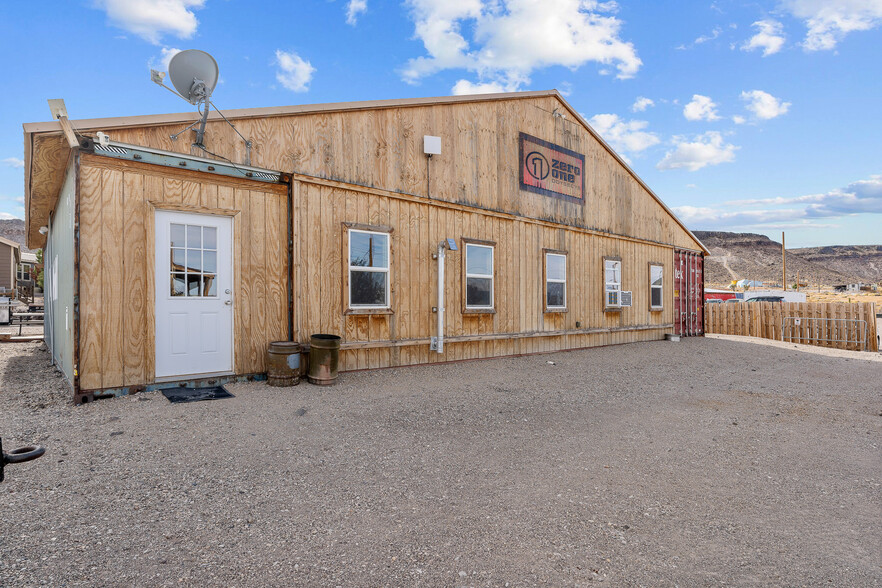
(22, 269)
(346, 294)
(471, 309)
(546, 279)
(606, 306)
(661, 287)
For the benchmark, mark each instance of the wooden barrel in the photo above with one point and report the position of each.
(283, 363)
(324, 355)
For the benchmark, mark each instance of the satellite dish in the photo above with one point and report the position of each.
(194, 75)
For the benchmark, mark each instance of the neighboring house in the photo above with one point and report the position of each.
(161, 266)
(10, 258)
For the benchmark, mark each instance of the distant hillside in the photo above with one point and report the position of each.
(864, 261)
(14, 230)
(756, 257)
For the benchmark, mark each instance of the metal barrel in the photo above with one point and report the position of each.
(283, 363)
(324, 355)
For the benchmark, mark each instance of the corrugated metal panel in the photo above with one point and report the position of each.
(58, 277)
(688, 293)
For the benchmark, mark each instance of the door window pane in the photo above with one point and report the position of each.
(194, 236)
(193, 285)
(177, 235)
(193, 259)
(177, 284)
(209, 261)
(179, 260)
(209, 285)
(209, 235)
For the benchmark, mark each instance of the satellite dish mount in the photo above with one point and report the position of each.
(194, 75)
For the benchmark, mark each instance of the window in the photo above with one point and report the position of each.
(368, 269)
(612, 277)
(23, 272)
(555, 281)
(656, 280)
(479, 276)
(193, 260)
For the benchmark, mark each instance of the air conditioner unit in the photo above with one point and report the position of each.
(613, 298)
(625, 299)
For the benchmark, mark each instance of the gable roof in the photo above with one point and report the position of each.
(53, 128)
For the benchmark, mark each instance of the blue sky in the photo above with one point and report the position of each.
(742, 116)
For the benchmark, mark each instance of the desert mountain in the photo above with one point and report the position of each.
(14, 230)
(736, 256)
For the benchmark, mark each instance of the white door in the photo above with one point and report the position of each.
(194, 301)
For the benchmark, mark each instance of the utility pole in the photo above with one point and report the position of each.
(784, 259)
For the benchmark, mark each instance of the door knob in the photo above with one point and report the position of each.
(229, 302)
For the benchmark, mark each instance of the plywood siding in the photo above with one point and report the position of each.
(519, 323)
(117, 204)
(383, 148)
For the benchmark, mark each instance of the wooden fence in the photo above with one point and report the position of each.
(839, 325)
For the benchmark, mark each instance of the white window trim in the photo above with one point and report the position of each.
(616, 286)
(660, 287)
(492, 249)
(360, 268)
(553, 281)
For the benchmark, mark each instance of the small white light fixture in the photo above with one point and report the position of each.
(44, 229)
(431, 145)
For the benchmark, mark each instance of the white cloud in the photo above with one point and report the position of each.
(704, 150)
(353, 9)
(463, 87)
(763, 105)
(705, 38)
(701, 108)
(161, 62)
(6, 216)
(151, 19)
(769, 37)
(739, 120)
(829, 21)
(503, 41)
(12, 162)
(294, 73)
(628, 137)
(860, 197)
(641, 104)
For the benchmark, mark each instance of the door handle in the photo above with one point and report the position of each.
(229, 303)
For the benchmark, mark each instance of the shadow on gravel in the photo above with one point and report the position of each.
(27, 374)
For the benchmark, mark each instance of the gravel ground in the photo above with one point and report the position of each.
(708, 462)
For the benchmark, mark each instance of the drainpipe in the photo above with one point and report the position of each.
(437, 344)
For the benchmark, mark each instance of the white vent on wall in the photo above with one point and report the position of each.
(625, 299)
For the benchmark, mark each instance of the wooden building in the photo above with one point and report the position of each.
(166, 262)
(10, 261)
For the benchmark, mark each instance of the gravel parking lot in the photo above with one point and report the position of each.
(709, 462)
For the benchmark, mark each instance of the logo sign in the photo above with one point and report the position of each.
(551, 170)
